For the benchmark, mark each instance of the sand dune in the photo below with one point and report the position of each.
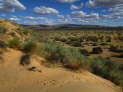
(16, 78)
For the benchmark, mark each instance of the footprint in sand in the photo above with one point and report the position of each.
(47, 83)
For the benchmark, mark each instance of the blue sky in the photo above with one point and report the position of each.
(95, 12)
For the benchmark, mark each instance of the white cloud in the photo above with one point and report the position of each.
(115, 12)
(103, 3)
(45, 10)
(14, 18)
(40, 19)
(117, 8)
(67, 1)
(81, 14)
(75, 7)
(60, 16)
(78, 14)
(11, 5)
(90, 3)
(29, 17)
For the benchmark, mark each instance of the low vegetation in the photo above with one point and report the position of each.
(14, 43)
(69, 57)
(25, 60)
(97, 50)
(73, 49)
(29, 47)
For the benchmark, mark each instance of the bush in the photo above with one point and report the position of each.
(3, 30)
(15, 43)
(60, 39)
(3, 44)
(107, 69)
(72, 58)
(69, 57)
(115, 49)
(97, 50)
(52, 52)
(76, 44)
(84, 52)
(29, 47)
(25, 60)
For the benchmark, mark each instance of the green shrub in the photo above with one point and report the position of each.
(15, 43)
(51, 51)
(97, 50)
(25, 60)
(3, 30)
(29, 47)
(60, 39)
(3, 44)
(84, 52)
(107, 69)
(69, 57)
(115, 49)
(76, 44)
(72, 58)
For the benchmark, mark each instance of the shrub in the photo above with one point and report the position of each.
(115, 49)
(72, 58)
(51, 51)
(25, 60)
(60, 39)
(94, 44)
(3, 30)
(120, 38)
(97, 50)
(107, 69)
(69, 57)
(119, 56)
(29, 47)
(15, 43)
(3, 44)
(76, 44)
(108, 39)
(84, 52)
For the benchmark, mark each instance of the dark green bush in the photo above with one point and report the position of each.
(107, 69)
(15, 43)
(3, 30)
(69, 57)
(97, 50)
(76, 44)
(29, 47)
(115, 49)
(25, 60)
(3, 44)
(60, 39)
(84, 52)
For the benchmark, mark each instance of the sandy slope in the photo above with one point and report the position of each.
(16, 78)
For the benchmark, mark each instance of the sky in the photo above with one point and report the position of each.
(91, 12)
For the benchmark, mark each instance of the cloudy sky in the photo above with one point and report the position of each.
(95, 12)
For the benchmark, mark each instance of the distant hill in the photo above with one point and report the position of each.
(71, 27)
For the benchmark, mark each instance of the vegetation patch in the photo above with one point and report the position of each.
(25, 60)
(97, 50)
(14, 43)
(29, 47)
